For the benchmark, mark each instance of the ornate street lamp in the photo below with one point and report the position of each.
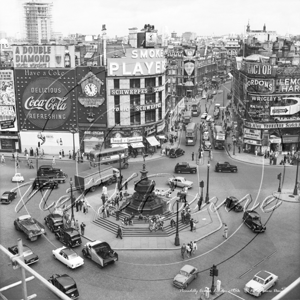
(207, 186)
(73, 129)
(72, 203)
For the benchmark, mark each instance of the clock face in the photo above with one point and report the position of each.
(90, 89)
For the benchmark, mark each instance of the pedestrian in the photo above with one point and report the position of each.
(82, 227)
(172, 223)
(80, 204)
(229, 146)
(271, 159)
(76, 225)
(119, 232)
(193, 154)
(183, 250)
(188, 250)
(199, 203)
(59, 154)
(31, 165)
(239, 149)
(37, 151)
(117, 200)
(77, 206)
(2, 159)
(255, 152)
(85, 207)
(63, 153)
(53, 161)
(183, 216)
(104, 212)
(103, 198)
(195, 247)
(104, 190)
(225, 231)
(107, 210)
(192, 224)
(70, 156)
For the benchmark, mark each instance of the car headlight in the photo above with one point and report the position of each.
(42, 230)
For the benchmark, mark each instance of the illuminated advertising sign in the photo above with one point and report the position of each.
(136, 91)
(44, 56)
(291, 109)
(46, 99)
(264, 86)
(288, 85)
(189, 67)
(272, 125)
(252, 134)
(91, 93)
(151, 39)
(8, 118)
(257, 69)
(137, 62)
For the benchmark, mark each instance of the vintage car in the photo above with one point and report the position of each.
(29, 256)
(185, 167)
(30, 226)
(175, 152)
(229, 96)
(66, 284)
(261, 282)
(69, 237)
(232, 204)
(252, 219)
(203, 116)
(180, 182)
(68, 257)
(207, 145)
(206, 136)
(225, 167)
(17, 178)
(186, 275)
(43, 182)
(8, 197)
(54, 222)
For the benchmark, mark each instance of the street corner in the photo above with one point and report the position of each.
(287, 196)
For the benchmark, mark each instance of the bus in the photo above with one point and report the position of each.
(187, 117)
(217, 111)
(194, 105)
(191, 134)
(113, 157)
(219, 137)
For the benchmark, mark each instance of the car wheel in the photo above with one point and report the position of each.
(184, 286)
(220, 171)
(178, 172)
(260, 294)
(194, 172)
(235, 171)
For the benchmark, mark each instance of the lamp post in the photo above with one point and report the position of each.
(234, 142)
(72, 203)
(207, 186)
(295, 193)
(223, 95)
(177, 241)
(201, 184)
(120, 167)
(73, 130)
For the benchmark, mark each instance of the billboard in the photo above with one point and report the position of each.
(91, 95)
(137, 62)
(258, 69)
(46, 99)
(8, 118)
(44, 56)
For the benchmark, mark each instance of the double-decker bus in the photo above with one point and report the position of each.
(191, 134)
(194, 106)
(219, 137)
(114, 157)
(187, 117)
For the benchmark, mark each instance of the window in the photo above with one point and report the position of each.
(116, 83)
(149, 98)
(159, 96)
(160, 80)
(135, 116)
(159, 113)
(149, 82)
(117, 108)
(150, 116)
(134, 83)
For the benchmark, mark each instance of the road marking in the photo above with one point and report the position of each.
(236, 295)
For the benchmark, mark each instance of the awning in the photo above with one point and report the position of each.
(137, 145)
(275, 141)
(161, 137)
(252, 142)
(119, 145)
(153, 141)
(89, 55)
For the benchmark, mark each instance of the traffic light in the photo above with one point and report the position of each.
(211, 272)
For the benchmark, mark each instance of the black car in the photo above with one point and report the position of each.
(8, 196)
(69, 237)
(225, 167)
(29, 256)
(232, 203)
(252, 219)
(52, 173)
(66, 284)
(176, 152)
(54, 222)
(44, 183)
(184, 167)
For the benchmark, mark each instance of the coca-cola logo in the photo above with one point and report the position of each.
(46, 103)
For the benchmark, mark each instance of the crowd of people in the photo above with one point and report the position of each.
(188, 249)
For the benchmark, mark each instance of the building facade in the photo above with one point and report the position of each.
(135, 96)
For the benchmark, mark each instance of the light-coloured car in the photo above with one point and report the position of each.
(180, 182)
(214, 92)
(203, 116)
(209, 118)
(17, 178)
(261, 282)
(68, 257)
(186, 275)
(206, 136)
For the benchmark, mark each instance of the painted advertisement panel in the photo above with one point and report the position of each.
(8, 117)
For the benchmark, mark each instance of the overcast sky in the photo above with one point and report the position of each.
(210, 17)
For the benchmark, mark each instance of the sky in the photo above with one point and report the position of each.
(210, 17)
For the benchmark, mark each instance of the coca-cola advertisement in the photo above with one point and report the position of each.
(46, 99)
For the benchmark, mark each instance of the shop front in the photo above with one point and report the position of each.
(9, 142)
(291, 143)
(251, 146)
(91, 140)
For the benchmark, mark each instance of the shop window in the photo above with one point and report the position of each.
(135, 116)
(149, 98)
(135, 83)
(116, 83)
(149, 82)
(117, 109)
(150, 116)
(159, 96)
